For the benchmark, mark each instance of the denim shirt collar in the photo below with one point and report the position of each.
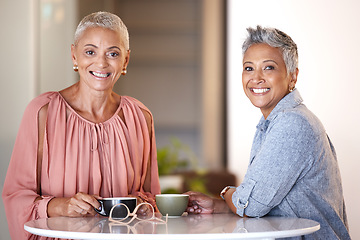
(291, 100)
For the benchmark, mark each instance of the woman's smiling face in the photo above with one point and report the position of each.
(101, 56)
(265, 79)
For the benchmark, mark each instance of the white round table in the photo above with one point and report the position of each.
(205, 226)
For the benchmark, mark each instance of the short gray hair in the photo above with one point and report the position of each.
(274, 38)
(104, 20)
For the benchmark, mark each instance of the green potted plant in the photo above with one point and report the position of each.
(174, 159)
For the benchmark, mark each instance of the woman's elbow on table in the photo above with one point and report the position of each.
(252, 208)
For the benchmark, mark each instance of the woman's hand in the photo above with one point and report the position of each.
(200, 203)
(145, 209)
(81, 204)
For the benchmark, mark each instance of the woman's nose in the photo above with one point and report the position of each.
(258, 76)
(102, 61)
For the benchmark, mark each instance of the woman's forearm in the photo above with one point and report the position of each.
(228, 200)
(221, 206)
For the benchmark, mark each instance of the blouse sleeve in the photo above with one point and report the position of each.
(148, 152)
(154, 175)
(20, 187)
(285, 156)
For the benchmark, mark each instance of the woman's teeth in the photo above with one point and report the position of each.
(102, 75)
(260, 90)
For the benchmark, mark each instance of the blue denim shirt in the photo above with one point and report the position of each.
(293, 171)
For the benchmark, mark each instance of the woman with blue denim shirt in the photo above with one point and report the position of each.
(293, 169)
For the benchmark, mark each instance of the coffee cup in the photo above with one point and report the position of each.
(119, 211)
(173, 205)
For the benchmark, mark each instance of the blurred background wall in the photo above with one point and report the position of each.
(16, 85)
(177, 68)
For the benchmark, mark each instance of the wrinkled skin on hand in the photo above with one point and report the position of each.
(79, 205)
(143, 210)
(200, 203)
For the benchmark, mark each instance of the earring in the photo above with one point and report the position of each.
(76, 68)
(123, 72)
(291, 88)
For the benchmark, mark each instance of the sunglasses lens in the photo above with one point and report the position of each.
(120, 212)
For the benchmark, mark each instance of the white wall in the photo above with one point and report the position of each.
(16, 89)
(57, 23)
(327, 35)
(20, 49)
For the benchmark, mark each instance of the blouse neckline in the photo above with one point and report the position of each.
(115, 115)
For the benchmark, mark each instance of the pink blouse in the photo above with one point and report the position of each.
(109, 159)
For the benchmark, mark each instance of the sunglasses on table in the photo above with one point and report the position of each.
(131, 216)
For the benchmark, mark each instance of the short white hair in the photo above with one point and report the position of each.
(277, 39)
(104, 20)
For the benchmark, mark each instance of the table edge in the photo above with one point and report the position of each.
(197, 236)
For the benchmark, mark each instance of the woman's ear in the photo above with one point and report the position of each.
(293, 79)
(127, 59)
(73, 55)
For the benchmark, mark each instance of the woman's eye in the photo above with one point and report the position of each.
(248, 68)
(269, 68)
(113, 54)
(89, 52)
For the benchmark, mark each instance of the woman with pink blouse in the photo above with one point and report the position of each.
(84, 142)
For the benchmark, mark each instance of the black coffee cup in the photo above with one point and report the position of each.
(119, 211)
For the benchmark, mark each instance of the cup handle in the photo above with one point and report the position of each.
(102, 210)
